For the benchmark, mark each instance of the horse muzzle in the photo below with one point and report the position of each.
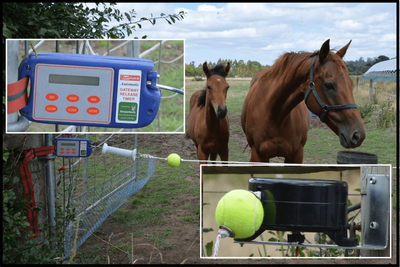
(355, 140)
(221, 112)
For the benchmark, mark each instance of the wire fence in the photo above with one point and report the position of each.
(96, 186)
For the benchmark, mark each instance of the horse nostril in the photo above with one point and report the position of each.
(222, 112)
(355, 138)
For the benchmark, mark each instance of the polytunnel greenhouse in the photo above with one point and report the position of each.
(385, 71)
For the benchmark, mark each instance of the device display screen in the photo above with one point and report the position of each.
(67, 144)
(74, 79)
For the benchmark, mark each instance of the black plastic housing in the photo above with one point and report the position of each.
(304, 205)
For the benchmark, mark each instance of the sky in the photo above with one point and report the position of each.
(264, 31)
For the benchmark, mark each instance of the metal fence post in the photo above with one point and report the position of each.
(51, 210)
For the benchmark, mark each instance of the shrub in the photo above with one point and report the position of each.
(387, 115)
(366, 109)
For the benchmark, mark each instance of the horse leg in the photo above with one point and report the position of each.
(256, 156)
(201, 155)
(213, 156)
(296, 157)
(224, 154)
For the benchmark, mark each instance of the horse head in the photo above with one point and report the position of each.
(332, 100)
(217, 87)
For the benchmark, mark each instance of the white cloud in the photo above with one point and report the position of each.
(263, 31)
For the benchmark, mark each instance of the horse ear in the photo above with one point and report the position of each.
(342, 51)
(206, 70)
(227, 68)
(324, 51)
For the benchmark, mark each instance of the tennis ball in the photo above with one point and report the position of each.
(241, 211)
(174, 160)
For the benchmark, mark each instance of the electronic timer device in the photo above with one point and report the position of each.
(90, 90)
(72, 147)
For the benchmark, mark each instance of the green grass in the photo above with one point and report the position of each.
(146, 208)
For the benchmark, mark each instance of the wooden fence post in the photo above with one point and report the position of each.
(357, 83)
(365, 170)
(370, 89)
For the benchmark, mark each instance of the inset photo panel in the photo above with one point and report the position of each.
(296, 211)
(95, 85)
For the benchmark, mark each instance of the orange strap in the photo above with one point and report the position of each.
(16, 95)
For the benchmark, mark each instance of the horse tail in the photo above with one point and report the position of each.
(245, 148)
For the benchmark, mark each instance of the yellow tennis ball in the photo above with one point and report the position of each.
(241, 211)
(174, 160)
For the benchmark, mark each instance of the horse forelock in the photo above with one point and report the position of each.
(218, 70)
(201, 99)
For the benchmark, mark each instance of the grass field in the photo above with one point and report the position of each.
(323, 144)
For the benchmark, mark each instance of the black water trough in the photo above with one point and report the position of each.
(356, 157)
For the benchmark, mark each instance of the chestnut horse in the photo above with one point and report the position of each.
(274, 113)
(208, 124)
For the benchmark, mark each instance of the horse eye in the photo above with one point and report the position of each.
(329, 86)
(227, 88)
(208, 87)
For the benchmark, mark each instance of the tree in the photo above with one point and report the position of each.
(72, 20)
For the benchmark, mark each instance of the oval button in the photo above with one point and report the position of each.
(93, 99)
(51, 97)
(51, 108)
(72, 98)
(93, 111)
(72, 109)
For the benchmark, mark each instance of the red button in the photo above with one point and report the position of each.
(72, 110)
(72, 98)
(93, 111)
(93, 99)
(51, 97)
(51, 108)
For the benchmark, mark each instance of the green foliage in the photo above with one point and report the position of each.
(209, 249)
(238, 68)
(72, 20)
(386, 115)
(366, 109)
(18, 247)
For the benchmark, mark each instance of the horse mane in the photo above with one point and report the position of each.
(286, 66)
(217, 70)
(201, 99)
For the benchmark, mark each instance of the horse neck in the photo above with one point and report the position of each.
(286, 94)
(210, 118)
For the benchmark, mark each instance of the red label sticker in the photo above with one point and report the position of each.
(72, 110)
(51, 108)
(125, 77)
(51, 97)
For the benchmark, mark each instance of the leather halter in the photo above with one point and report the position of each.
(325, 108)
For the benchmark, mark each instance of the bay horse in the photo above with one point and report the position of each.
(274, 115)
(208, 124)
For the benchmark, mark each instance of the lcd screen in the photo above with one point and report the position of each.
(74, 79)
(67, 144)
